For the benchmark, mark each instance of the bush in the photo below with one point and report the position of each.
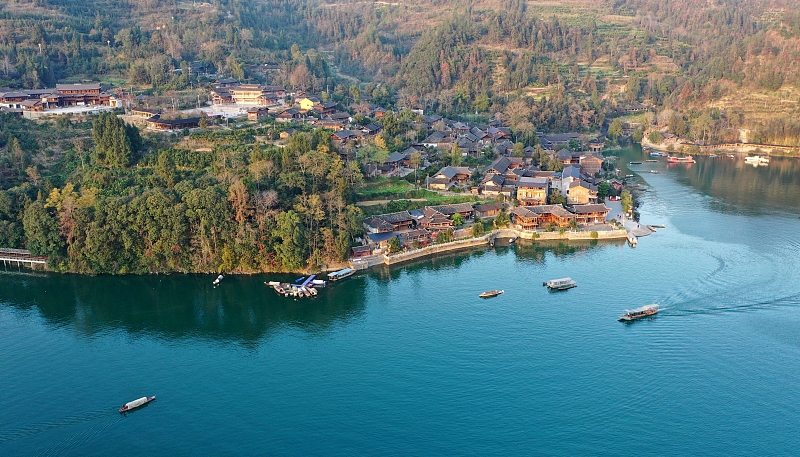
(594, 235)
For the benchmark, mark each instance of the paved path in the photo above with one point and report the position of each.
(630, 225)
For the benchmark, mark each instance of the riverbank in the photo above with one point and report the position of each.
(770, 150)
(605, 232)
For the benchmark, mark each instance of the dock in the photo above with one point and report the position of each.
(21, 257)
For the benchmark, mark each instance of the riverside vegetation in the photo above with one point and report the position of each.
(241, 207)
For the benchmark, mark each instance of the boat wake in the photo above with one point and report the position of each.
(82, 436)
(35, 429)
(103, 419)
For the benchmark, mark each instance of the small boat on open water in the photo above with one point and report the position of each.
(638, 313)
(634, 163)
(218, 280)
(491, 293)
(131, 405)
(560, 284)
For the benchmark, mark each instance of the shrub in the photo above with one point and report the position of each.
(594, 235)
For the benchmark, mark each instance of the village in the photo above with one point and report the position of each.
(555, 189)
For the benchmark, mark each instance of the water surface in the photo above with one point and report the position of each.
(409, 361)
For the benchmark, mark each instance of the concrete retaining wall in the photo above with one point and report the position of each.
(484, 240)
(435, 249)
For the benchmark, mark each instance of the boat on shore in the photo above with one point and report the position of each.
(491, 293)
(638, 313)
(131, 405)
(341, 274)
(676, 159)
(560, 284)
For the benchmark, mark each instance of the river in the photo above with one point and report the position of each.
(409, 361)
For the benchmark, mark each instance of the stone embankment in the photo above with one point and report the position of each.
(738, 148)
(464, 243)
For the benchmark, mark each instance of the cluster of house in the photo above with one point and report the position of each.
(515, 177)
(419, 228)
(229, 91)
(63, 95)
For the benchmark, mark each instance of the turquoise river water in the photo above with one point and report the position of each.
(409, 361)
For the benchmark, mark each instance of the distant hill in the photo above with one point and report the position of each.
(738, 57)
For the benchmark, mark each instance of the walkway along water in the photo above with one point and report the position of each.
(464, 243)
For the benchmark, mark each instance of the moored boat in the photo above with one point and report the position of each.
(635, 163)
(341, 274)
(136, 403)
(675, 159)
(638, 313)
(757, 159)
(491, 293)
(560, 284)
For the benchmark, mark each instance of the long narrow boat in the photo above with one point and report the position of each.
(131, 405)
(491, 293)
(560, 284)
(676, 159)
(638, 313)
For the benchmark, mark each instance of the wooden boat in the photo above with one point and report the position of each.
(638, 313)
(136, 404)
(491, 293)
(341, 274)
(675, 159)
(560, 284)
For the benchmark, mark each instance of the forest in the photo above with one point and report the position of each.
(242, 207)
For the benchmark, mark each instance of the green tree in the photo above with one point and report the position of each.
(556, 198)
(290, 230)
(394, 245)
(165, 169)
(455, 155)
(458, 220)
(627, 201)
(655, 137)
(615, 130)
(115, 141)
(518, 150)
(502, 219)
(477, 228)
(603, 191)
(41, 231)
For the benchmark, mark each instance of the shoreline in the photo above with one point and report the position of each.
(787, 151)
(487, 239)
